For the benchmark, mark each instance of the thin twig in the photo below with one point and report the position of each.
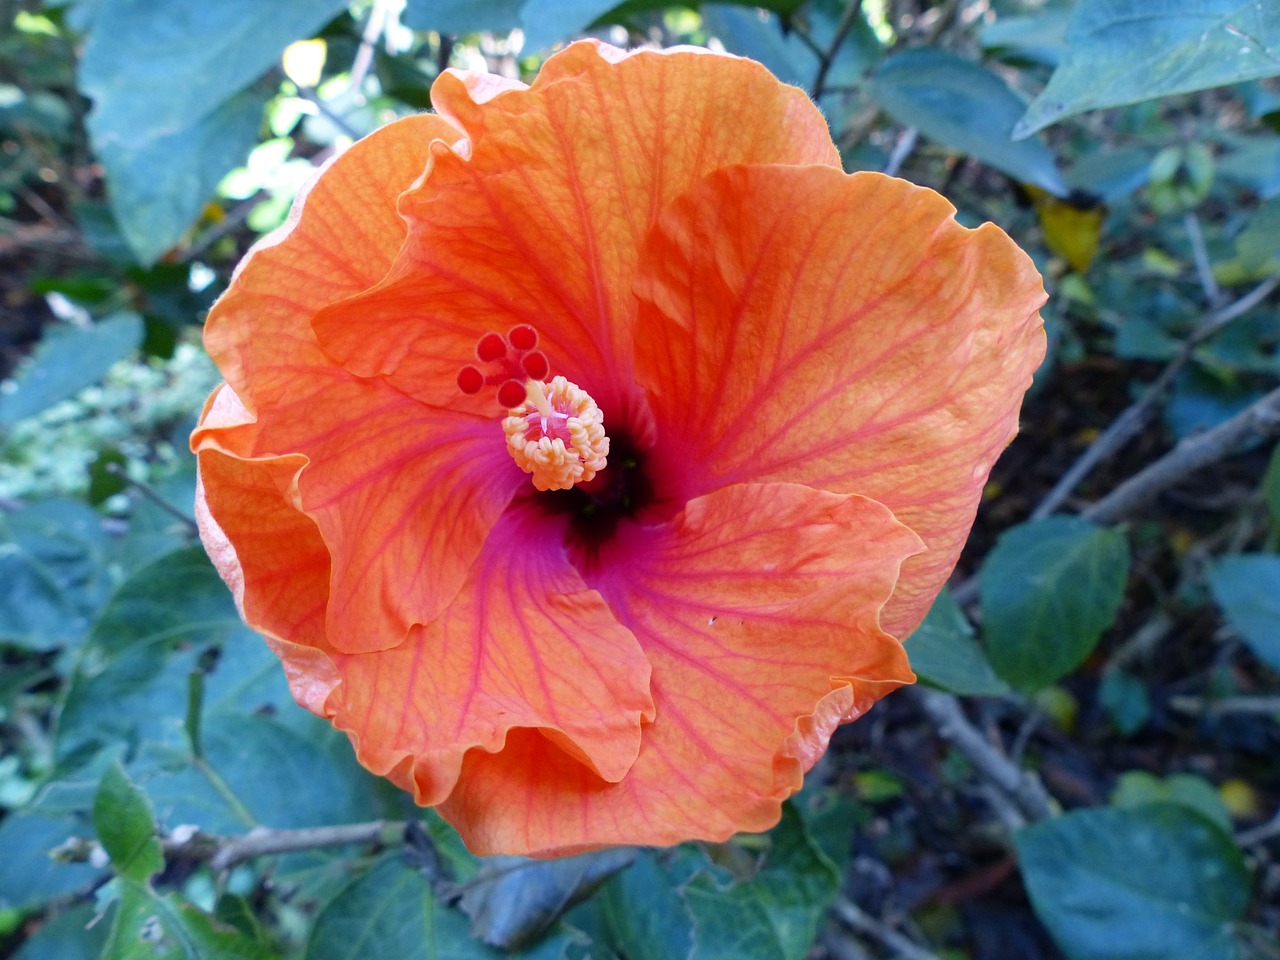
(851, 11)
(901, 150)
(224, 852)
(309, 95)
(1024, 789)
(1200, 254)
(149, 493)
(1214, 707)
(373, 29)
(859, 921)
(1261, 833)
(1259, 420)
(1126, 426)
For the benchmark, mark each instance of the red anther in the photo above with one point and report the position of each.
(523, 337)
(511, 394)
(535, 365)
(491, 347)
(470, 380)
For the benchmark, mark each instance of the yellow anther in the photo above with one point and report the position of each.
(557, 435)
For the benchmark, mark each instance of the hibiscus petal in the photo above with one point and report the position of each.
(260, 540)
(758, 609)
(526, 643)
(839, 331)
(401, 495)
(538, 218)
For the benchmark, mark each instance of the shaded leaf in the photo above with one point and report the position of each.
(1142, 884)
(390, 912)
(644, 915)
(1137, 788)
(68, 935)
(1119, 51)
(1048, 590)
(775, 914)
(172, 110)
(512, 900)
(1247, 587)
(150, 927)
(963, 106)
(68, 359)
(30, 876)
(944, 653)
(127, 827)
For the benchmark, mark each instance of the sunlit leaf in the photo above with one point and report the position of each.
(127, 827)
(963, 106)
(1121, 52)
(173, 109)
(68, 359)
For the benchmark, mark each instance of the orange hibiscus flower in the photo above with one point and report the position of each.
(585, 447)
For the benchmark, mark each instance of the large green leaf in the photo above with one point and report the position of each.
(963, 106)
(1247, 587)
(68, 359)
(774, 915)
(53, 575)
(148, 926)
(68, 935)
(644, 916)
(1124, 51)
(1148, 883)
(944, 653)
(462, 16)
(30, 876)
(1048, 590)
(173, 109)
(126, 826)
(390, 912)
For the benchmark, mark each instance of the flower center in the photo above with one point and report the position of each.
(557, 434)
(554, 430)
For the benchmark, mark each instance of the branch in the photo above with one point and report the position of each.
(223, 852)
(859, 921)
(851, 10)
(1259, 420)
(1126, 426)
(1026, 791)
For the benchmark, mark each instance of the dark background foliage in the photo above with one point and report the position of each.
(1088, 768)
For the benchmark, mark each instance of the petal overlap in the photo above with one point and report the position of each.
(499, 659)
(758, 608)
(540, 218)
(898, 374)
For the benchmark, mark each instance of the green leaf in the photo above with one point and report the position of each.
(945, 654)
(644, 915)
(512, 900)
(1150, 883)
(1247, 587)
(127, 827)
(1048, 590)
(462, 16)
(547, 22)
(1137, 788)
(30, 876)
(53, 577)
(172, 110)
(966, 107)
(68, 359)
(775, 915)
(1122, 51)
(150, 927)
(390, 912)
(66, 935)
(1126, 701)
